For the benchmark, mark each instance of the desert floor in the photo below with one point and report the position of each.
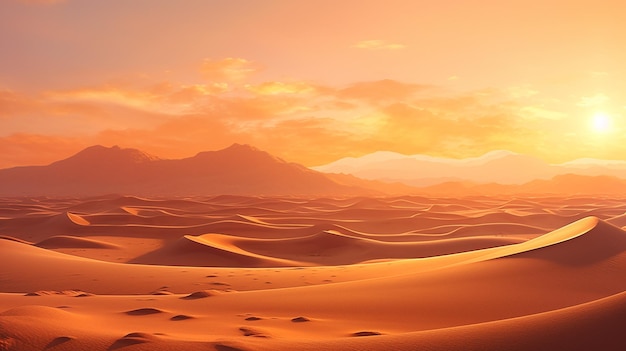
(251, 273)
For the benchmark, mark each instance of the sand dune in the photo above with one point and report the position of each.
(334, 248)
(589, 326)
(263, 273)
(63, 241)
(207, 250)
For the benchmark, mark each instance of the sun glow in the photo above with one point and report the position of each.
(601, 123)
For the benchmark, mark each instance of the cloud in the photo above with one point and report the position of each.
(13, 103)
(381, 90)
(188, 94)
(319, 123)
(111, 95)
(181, 136)
(593, 100)
(300, 121)
(377, 45)
(541, 113)
(36, 149)
(521, 92)
(80, 111)
(228, 69)
(475, 122)
(164, 97)
(281, 88)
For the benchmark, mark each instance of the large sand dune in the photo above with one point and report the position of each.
(235, 273)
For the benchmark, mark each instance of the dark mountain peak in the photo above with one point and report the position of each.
(106, 155)
(240, 152)
(241, 147)
(245, 150)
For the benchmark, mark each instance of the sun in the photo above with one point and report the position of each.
(601, 123)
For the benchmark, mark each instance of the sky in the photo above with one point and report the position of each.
(313, 81)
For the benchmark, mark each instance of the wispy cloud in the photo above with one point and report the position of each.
(281, 88)
(541, 113)
(228, 69)
(377, 44)
(319, 122)
(381, 90)
(593, 100)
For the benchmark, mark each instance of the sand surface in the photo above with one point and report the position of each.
(233, 273)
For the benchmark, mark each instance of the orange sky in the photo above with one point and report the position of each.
(312, 81)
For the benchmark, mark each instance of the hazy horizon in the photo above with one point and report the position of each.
(312, 82)
(361, 156)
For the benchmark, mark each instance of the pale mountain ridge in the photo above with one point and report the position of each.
(498, 166)
(590, 162)
(386, 156)
(493, 167)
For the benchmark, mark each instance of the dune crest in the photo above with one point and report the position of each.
(77, 219)
(65, 241)
(583, 242)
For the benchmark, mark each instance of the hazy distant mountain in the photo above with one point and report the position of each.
(595, 167)
(578, 184)
(503, 167)
(564, 184)
(377, 185)
(238, 169)
(419, 170)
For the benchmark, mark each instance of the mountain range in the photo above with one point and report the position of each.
(237, 170)
(246, 170)
(502, 167)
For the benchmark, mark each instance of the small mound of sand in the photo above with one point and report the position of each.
(300, 319)
(247, 331)
(84, 294)
(254, 318)
(161, 292)
(143, 311)
(58, 341)
(366, 333)
(141, 335)
(181, 317)
(132, 339)
(222, 347)
(45, 312)
(201, 294)
(73, 293)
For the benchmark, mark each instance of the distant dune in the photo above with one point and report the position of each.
(295, 273)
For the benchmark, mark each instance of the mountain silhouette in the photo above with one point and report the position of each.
(237, 170)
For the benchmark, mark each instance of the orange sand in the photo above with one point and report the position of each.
(235, 273)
